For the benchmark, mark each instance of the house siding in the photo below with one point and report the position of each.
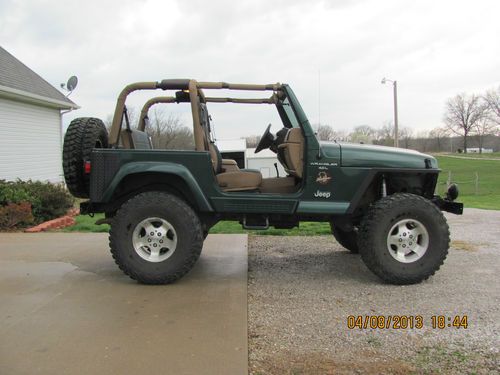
(30, 142)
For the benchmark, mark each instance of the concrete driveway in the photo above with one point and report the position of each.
(66, 308)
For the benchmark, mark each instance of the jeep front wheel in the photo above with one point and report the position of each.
(156, 238)
(403, 239)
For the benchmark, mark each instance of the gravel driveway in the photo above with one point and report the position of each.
(302, 289)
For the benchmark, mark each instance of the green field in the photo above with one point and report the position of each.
(86, 224)
(462, 172)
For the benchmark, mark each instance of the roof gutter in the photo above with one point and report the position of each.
(11, 93)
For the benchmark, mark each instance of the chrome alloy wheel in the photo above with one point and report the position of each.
(154, 239)
(408, 241)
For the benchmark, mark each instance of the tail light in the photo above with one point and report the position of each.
(87, 167)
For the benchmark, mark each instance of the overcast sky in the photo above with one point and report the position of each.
(434, 49)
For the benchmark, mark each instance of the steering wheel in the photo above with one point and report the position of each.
(266, 140)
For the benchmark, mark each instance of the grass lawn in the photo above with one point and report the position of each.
(463, 172)
(87, 224)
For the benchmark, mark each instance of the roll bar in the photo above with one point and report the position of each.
(195, 92)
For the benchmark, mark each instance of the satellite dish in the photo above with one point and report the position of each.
(72, 82)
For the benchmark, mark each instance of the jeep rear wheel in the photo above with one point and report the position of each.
(403, 239)
(156, 238)
(83, 135)
(349, 240)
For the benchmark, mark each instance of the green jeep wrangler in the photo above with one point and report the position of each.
(161, 204)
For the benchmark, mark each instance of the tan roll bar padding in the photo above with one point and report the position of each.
(194, 92)
(199, 138)
(271, 100)
(238, 86)
(148, 105)
(120, 103)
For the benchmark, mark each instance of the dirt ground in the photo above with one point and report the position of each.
(302, 290)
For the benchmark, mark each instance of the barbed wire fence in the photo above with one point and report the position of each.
(472, 184)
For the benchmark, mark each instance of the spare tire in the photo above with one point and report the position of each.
(83, 135)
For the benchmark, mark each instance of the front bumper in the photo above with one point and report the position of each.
(448, 206)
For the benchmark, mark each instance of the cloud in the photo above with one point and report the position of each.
(434, 50)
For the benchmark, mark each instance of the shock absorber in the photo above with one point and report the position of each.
(383, 187)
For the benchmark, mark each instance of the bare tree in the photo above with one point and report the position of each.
(439, 134)
(462, 114)
(325, 133)
(252, 140)
(167, 131)
(492, 98)
(405, 135)
(482, 128)
(363, 134)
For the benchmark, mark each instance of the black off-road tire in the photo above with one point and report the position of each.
(175, 211)
(348, 240)
(83, 135)
(374, 230)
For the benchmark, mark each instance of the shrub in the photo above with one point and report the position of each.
(14, 214)
(46, 201)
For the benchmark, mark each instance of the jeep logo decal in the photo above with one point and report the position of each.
(322, 194)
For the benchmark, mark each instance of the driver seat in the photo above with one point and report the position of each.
(292, 151)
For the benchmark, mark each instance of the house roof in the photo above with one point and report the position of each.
(17, 80)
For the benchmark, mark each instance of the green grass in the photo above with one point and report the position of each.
(463, 173)
(87, 224)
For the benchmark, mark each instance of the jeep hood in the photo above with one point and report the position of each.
(360, 155)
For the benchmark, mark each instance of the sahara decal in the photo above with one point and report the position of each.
(323, 178)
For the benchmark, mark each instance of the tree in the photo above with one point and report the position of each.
(492, 98)
(484, 127)
(405, 135)
(327, 133)
(252, 140)
(438, 134)
(462, 114)
(363, 134)
(168, 132)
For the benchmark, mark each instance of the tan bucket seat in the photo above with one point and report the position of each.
(293, 152)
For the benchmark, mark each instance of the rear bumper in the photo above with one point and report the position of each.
(448, 206)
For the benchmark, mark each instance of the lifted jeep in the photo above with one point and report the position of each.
(161, 204)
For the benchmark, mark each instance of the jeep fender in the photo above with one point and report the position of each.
(162, 168)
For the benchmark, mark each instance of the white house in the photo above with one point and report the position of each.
(233, 149)
(30, 123)
(264, 162)
(477, 150)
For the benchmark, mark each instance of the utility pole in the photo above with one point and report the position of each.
(395, 94)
